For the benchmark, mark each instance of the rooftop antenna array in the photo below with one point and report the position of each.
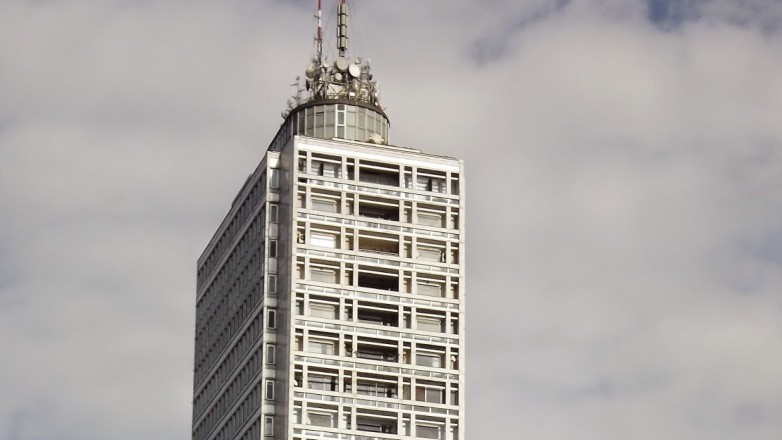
(344, 78)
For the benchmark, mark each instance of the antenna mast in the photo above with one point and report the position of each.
(319, 35)
(342, 79)
(342, 29)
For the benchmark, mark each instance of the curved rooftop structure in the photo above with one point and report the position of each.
(340, 98)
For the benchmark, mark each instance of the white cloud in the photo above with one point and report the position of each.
(630, 288)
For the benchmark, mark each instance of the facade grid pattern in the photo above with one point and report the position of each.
(331, 300)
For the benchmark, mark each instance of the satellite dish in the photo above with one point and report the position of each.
(338, 76)
(312, 71)
(375, 138)
(354, 71)
(341, 64)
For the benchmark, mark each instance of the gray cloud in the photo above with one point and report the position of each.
(624, 172)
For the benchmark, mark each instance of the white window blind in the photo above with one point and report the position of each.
(320, 346)
(430, 219)
(323, 275)
(323, 240)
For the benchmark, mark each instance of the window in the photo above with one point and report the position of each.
(272, 248)
(428, 360)
(383, 211)
(268, 428)
(322, 382)
(271, 318)
(430, 219)
(379, 175)
(326, 169)
(272, 283)
(323, 240)
(430, 253)
(430, 395)
(323, 310)
(269, 390)
(326, 205)
(429, 289)
(429, 323)
(271, 354)
(427, 431)
(376, 388)
(274, 181)
(274, 215)
(431, 181)
(321, 346)
(320, 419)
(323, 275)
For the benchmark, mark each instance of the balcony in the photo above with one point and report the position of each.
(379, 211)
(378, 246)
(378, 317)
(378, 281)
(379, 176)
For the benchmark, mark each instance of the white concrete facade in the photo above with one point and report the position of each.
(331, 301)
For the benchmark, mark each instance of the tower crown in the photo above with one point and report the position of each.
(346, 84)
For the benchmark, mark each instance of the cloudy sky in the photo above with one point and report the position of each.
(624, 189)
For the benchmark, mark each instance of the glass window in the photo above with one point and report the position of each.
(321, 310)
(269, 390)
(323, 275)
(320, 419)
(271, 318)
(430, 219)
(430, 395)
(321, 346)
(428, 360)
(322, 382)
(271, 352)
(430, 289)
(426, 431)
(326, 205)
(430, 254)
(269, 426)
(429, 324)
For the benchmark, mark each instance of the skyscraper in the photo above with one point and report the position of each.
(330, 301)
